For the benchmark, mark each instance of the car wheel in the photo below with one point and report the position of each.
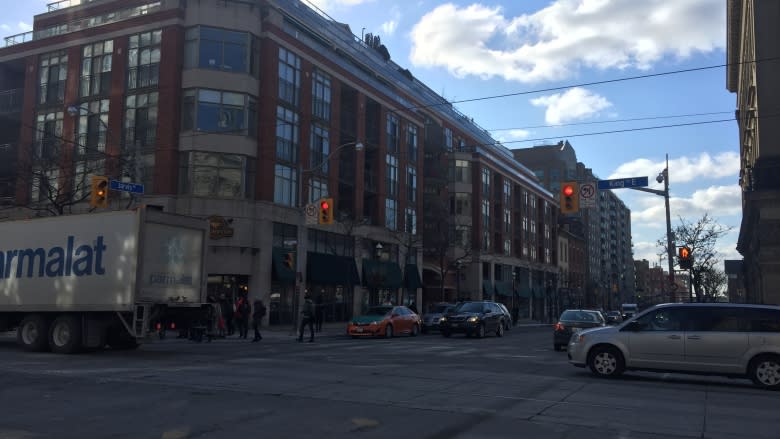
(481, 331)
(415, 330)
(389, 331)
(606, 361)
(765, 372)
(500, 330)
(445, 333)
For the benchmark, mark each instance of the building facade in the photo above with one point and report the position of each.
(753, 49)
(735, 281)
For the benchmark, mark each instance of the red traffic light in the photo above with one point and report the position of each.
(568, 191)
(324, 205)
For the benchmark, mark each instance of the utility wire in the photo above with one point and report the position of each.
(613, 121)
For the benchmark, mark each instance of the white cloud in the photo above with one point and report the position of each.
(24, 27)
(574, 104)
(718, 201)
(683, 169)
(519, 134)
(5, 27)
(555, 42)
(389, 27)
(512, 135)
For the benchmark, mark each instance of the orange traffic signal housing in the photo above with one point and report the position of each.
(326, 211)
(570, 197)
(684, 258)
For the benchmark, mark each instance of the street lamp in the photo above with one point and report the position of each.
(302, 230)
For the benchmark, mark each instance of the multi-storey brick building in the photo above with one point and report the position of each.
(243, 112)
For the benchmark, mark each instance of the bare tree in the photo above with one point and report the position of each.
(701, 237)
(447, 241)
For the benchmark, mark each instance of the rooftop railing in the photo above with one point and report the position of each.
(62, 4)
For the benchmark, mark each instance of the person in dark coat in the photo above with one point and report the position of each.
(319, 312)
(257, 319)
(307, 318)
(243, 311)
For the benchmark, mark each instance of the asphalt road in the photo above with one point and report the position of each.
(424, 387)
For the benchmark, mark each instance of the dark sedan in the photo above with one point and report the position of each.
(574, 320)
(430, 320)
(474, 318)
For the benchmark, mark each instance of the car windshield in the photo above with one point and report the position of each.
(580, 316)
(470, 307)
(379, 311)
(613, 313)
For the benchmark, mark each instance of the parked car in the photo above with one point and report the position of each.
(614, 317)
(574, 320)
(474, 318)
(713, 338)
(430, 320)
(385, 321)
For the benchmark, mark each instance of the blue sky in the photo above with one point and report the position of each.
(468, 50)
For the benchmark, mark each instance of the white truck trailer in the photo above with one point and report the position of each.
(80, 282)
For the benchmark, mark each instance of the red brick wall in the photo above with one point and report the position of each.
(166, 157)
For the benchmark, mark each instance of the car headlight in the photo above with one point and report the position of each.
(473, 319)
(443, 319)
(577, 338)
(375, 323)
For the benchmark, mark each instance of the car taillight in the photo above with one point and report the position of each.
(157, 326)
(559, 326)
(173, 325)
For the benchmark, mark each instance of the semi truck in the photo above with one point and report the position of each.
(83, 282)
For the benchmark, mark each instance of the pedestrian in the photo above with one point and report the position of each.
(319, 312)
(243, 311)
(307, 318)
(257, 319)
(228, 310)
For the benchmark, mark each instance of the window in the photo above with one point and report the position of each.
(411, 142)
(392, 134)
(507, 194)
(507, 221)
(462, 203)
(141, 119)
(763, 320)
(318, 188)
(48, 140)
(53, 72)
(507, 247)
(213, 48)
(392, 176)
(287, 133)
(717, 319)
(321, 96)
(486, 240)
(330, 243)
(665, 319)
(462, 236)
(391, 214)
(285, 234)
(448, 139)
(91, 129)
(486, 214)
(461, 171)
(96, 68)
(411, 184)
(289, 77)
(486, 182)
(217, 175)
(143, 57)
(320, 149)
(411, 221)
(285, 183)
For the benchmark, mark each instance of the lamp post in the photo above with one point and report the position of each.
(301, 245)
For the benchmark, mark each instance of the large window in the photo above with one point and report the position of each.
(392, 176)
(411, 221)
(219, 112)
(485, 215)
(287, 135)
(53, 72)
(486, 182)
(141, 119)
(411, 185)
(96, 68)
(320, 149)
(143, 57)
(217, 175)
(48, 139)
(461, 171)
(461, 204)
(391, 214)
(392, 134)
(220, 49)
(331, 243)
(285, 184)
(91, 129)
(448, 139)
(321, 96)
(411, 142)
(289, 77)
(318, 188)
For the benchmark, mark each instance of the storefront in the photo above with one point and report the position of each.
(282, 297)
(331, 283)
(383, 279)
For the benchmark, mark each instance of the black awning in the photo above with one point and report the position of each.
(322, 268)
(412, 277)
(283, 262)
(381, 274)
(504, 288)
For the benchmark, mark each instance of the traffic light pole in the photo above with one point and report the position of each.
(664, 175)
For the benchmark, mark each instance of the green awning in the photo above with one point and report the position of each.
(539, 293)
(487, 288)
(523, 292)
(328, 269)
(504, 288)
(283, 262)
(412, 277)
(381, 274)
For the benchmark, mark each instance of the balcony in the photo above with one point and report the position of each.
(11, 101)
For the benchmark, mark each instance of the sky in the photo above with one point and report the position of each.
(626, 82)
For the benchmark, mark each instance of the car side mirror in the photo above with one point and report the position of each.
(633, 326)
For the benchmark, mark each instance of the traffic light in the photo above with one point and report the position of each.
(99, 195)
(684, 258)
(289, 260)
(326, 211)
(570, 197)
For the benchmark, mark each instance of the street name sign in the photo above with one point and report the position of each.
(133, 188)
(622, 183)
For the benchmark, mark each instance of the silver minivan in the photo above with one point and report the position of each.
(701, 338)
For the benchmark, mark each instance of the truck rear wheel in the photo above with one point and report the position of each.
(33, 333)
(65, 334)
